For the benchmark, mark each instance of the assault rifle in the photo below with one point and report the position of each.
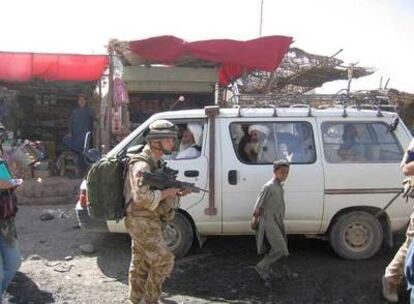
(167, 178)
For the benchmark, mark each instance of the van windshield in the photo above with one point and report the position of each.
(137, 137)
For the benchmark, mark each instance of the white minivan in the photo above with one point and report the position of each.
(345, 167)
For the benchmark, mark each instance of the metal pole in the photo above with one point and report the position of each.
(261, 18)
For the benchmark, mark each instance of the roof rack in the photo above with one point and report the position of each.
(358, 100)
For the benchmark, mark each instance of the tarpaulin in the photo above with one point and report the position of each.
(20, 67)
(233, 56)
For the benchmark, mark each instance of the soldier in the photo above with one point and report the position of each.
(268, 221)
(151, 262)
(394, 271)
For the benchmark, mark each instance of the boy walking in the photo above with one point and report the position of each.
(268, 221)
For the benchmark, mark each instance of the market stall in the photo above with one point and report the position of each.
(37, 96)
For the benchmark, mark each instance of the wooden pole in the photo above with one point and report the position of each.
(110, 101)
(99, 143)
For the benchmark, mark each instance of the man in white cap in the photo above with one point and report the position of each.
(260, 149)
(190, 146)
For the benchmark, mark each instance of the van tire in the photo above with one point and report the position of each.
(356, 235)
(178, 235)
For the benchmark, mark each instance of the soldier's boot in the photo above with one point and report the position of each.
(389, 291)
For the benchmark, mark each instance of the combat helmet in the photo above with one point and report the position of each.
(161, 129)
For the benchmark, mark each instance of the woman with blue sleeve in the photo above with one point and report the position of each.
(10, 258)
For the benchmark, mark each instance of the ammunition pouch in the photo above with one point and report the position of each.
(408, 184)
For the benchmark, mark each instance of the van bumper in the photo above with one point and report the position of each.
(87, 223)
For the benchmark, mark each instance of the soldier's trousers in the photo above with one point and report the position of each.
(394, 272)
(151, 262)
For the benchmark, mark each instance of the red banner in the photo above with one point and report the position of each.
(20, 67)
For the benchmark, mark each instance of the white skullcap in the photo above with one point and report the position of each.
(197, 132)
(262, 129)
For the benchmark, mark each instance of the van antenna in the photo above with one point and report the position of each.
(180, 99)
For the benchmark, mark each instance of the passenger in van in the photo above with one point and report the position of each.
(393, 276)
(190, 146)
(351, 149)
(260, 148)
(306, 149)
(268, 221)
(244, 140)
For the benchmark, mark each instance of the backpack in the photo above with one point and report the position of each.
(105, 183)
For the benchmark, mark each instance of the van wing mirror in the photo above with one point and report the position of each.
(87, 143)
(92, 156)
(393, 125)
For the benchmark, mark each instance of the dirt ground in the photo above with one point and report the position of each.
(220, 272)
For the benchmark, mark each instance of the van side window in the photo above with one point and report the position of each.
(389, 150)
(265, 142)
(359, 142)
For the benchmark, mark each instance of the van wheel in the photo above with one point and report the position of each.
(178, 235)
(356, 235)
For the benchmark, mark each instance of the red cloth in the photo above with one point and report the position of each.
(163, 49)
(20, 67)
(233, 56)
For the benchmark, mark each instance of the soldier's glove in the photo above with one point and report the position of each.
(168, 217)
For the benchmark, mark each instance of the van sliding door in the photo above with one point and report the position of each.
(248, 148)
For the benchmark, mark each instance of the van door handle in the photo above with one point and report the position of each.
(191, 173)
(232, 177)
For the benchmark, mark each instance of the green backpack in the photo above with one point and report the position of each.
(105, 183)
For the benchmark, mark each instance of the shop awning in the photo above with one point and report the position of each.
(232, 56)
(22, 67)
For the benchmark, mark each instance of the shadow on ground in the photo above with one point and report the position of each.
(222, 271)
(23, 290)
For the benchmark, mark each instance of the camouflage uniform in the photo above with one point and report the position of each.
(151, 262)
(395, 270)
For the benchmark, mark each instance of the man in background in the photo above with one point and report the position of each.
(81, 122)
